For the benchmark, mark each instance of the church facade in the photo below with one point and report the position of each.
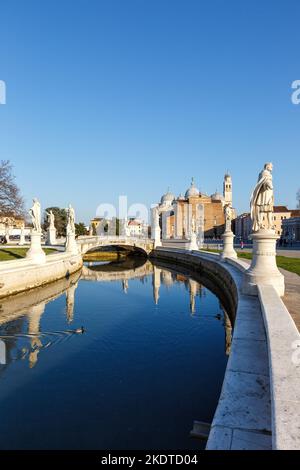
(194, 212)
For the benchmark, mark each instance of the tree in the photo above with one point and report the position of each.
(298, 199)
(11, 201)
(60, 221)
(80, 229)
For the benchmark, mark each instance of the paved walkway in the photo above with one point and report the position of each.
(291, 297)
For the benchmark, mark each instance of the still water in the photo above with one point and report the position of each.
(149, 361)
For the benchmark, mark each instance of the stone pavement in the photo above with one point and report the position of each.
(291, 297)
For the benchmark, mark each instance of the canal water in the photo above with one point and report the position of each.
(121, 356)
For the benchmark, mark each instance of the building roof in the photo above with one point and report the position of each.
(281, 209)
(134, 222)
(168, 197)
(295, 212)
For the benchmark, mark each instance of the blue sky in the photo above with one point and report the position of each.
(132, 96)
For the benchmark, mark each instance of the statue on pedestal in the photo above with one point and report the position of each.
(263, 269)
(35, 213)
(262, 200)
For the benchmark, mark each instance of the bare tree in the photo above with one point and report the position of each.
(298, 198)
(11, 201)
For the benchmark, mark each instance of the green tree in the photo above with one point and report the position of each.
(81, 229)
(60, 221)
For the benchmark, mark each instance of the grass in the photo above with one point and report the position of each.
(284, 262)
(9, 254)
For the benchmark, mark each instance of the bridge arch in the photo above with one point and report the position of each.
(88, 243)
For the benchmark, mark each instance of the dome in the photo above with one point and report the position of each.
(192, 191)
(167, 198)
(217, 196)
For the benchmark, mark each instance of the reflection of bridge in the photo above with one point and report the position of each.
(87, 243)
(139, 272)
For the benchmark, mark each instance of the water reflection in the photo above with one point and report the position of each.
(20, 318)
(20, 315)
(156, 341)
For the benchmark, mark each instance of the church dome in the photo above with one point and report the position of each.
(217, 196)
(167, 198)
(192, 191)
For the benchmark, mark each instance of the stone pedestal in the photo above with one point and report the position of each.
(157, 240)
(35, 252)
(22, 238)
(71, 245)
(51, 236)
(228, 249)
(263, 269)
(193, 242)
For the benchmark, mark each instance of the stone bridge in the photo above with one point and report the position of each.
(87, 243)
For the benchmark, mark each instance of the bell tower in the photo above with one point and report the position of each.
(227, 189)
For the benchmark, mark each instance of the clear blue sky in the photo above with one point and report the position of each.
(132, 96)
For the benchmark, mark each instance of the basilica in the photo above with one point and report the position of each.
(193, 212)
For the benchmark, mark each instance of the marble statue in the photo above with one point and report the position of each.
(71, 219)
(35, 213)
(156, 217)
(228, 217)
(51, 219)
(262, 200)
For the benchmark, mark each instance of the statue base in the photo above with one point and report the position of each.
(71, 245)
(263, 269)
(157, 240)
(228, 249)
(35, 252)
(51, 236)
(22, 239)
(193, 242)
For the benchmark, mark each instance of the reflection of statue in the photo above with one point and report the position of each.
(71, 219)
(35, 213)
(51, 219)
(228, 217)
(262, 200)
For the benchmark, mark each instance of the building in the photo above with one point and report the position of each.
(136, 228)
(243, 223)
(291, 228)
(243, 226)
(130, 228)
(195, 211)
(11, 225)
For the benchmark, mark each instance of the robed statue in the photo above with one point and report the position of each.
(35, 213)
(71, 219)
(156, 216)
(51, 219)
(228, 217)
(262, 200)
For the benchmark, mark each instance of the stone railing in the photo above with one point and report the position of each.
(19, 275)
